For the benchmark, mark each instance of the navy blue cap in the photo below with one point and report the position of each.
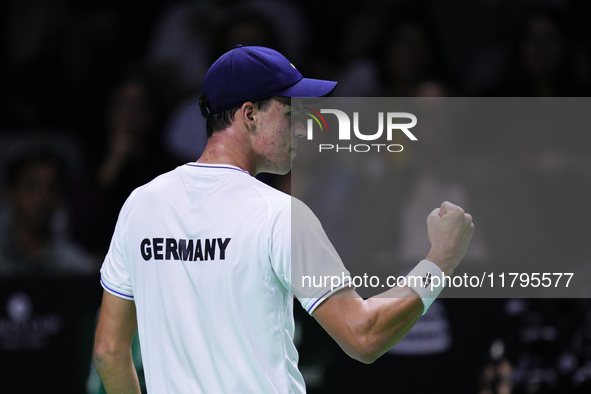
(252, 73)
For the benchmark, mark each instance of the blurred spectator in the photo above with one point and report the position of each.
(464, 28)
(35, 80)
(544, 58)
(131, 156)
(245, 27)
(546, 348)
(361, 41)
(46, 65)
(183, 39)
(552, 149)
(411, 54)
(58, 57)
(30, 241)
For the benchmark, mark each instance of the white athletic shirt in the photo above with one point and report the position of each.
(205, 251)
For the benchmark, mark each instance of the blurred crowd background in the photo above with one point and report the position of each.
(98, 97)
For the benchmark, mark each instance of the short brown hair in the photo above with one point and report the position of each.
(223, 120)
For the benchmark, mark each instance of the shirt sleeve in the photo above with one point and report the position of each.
(115, 277)
(304, 258)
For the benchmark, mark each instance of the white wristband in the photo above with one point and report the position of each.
(420, 279)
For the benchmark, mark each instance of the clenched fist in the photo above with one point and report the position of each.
(450, 230)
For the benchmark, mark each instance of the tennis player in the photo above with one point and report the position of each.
(204, 259)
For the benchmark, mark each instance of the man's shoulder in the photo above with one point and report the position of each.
(157, 188)
(161, 182)
(282, 200)
(268, 192)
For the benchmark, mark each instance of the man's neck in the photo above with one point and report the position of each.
(229, 147)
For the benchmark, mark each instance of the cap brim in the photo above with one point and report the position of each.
(309, 88)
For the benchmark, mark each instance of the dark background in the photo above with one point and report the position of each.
(110, 87)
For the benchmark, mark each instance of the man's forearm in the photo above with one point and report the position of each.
(393, 315)
(118, 373)
(366, 329)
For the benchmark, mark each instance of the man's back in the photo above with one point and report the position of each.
(206, 250)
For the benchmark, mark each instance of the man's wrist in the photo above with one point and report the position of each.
(429, 284)
(447, 265)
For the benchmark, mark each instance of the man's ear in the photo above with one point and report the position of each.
(247, 113)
